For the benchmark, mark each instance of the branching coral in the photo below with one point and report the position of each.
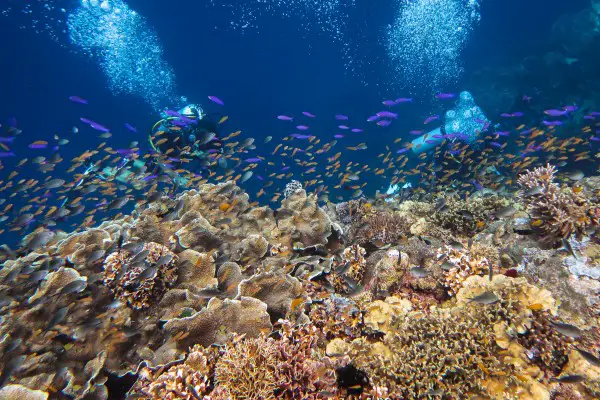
(380, 227)
(561, 211)
(461, 265)
(467, 216)
(423, 354)
(354, 256)
(144, 292)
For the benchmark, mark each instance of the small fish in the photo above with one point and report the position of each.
(534, 191)
(419, 272)
(555, 113)
(216, 100)
(247, 175)
(571, 379)
(589, 357)
(285, 118)
(53, 183)
(77, 99)
(466, 215)
(456, 245)
(575, 175)
(59, 315)
(73, 287)
(567, 246)
(447, 265)
(210, 292)
(431, 119)
(131, 127)
(567, 329)
(506, 212)
(117, 203)
(485, 298)
(10, 367)
(445, 96)
(341, 117)
(148, 273)
(309, 115)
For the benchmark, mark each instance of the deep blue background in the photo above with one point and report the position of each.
(281, 70)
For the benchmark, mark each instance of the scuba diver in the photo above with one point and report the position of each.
(186, 134)
(185, 137)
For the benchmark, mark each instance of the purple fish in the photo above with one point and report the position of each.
(125, 151)
(86, 121)
(172, 113)
(99, 127)
(590, 117)
(285, 168)
(518, 114)
(595, 113)
(253, 160)
(285, 118)
(404, 100)
(595, 138)
(38, 146)
(496, 144)
(429, 141)
(389, 103)
(445, 96)
(217, 100)
(403, 150)
(299, 136)
(384, 122)
(150, 177)
(357, 130)
(177, 122)
(556, 113)
(309, 115)
(302, 128)
(431, 119)
(4, 139)
(502, 133)
(341, 117)
(571, 108)
(130, 127)
(4, 154)
(437, 136)
(338, 136)
(343, 127)
(387, 114)
(552, 123)
(477, 185)
(415, 132)
(77, 99)
(373, 118)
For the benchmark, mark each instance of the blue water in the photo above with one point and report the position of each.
(284, 63)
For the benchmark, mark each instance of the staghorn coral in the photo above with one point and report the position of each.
(380, 226)
(562, 211)
(140, 294)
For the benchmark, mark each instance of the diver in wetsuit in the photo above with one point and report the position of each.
(186, 134)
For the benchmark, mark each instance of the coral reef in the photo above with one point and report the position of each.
(136, 289)
(562, 212)
(204, 295)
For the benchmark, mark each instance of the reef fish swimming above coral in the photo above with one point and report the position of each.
(413, 248)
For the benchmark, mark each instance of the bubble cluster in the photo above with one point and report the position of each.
(40, 16)
(126, 48)
(426, 40)
(327, 16)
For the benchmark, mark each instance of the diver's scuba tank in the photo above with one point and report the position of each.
(463, 123)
